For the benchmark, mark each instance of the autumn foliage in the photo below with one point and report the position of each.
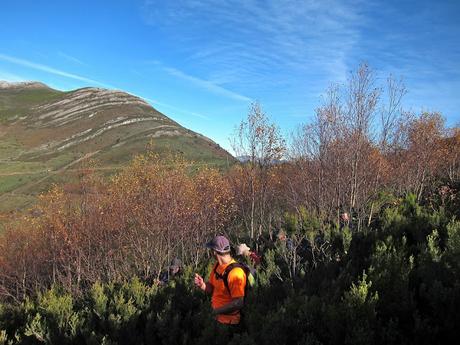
(134, 224)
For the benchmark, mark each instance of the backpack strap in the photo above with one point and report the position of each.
(217, 274)
(214, 269)
(227, 271)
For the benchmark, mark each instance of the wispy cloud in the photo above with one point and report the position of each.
(286, 47)
(259, 42)
(71, 58)
(155, 103)
(207, 85)
(174, 108)
(51, 70)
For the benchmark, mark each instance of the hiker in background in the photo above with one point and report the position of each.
(227, 283)
(263, 243)
(245, 251)
(281, 236)
(344, 220)
(284, 239)
(174, 269)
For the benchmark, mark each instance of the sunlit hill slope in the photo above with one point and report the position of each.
(46, 135)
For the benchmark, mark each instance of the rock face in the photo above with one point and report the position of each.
(45, 131)
(46, 121)
(90, 113)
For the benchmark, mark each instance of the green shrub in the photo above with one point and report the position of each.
(453, 242)
(409, 294)
(359, 305)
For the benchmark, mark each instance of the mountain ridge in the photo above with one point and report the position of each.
(43, 130)
(22, 84)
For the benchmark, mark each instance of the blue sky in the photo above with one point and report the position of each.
(201, 62)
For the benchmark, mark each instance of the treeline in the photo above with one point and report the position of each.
(366, 193)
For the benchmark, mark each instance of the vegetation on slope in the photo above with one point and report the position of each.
(396, 282)
(46, 136)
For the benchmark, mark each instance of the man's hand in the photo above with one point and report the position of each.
(199, 282)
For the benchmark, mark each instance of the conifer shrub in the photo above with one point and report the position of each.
(392, 286)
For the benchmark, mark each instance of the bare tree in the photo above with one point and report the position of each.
(342, 152)
(260, 143)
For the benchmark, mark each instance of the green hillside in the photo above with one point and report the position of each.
(46, 135)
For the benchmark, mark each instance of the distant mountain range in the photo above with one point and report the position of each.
(46, 135)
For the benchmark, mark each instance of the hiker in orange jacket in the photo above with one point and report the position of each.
(227, 283)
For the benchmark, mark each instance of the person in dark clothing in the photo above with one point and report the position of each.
(174, 269)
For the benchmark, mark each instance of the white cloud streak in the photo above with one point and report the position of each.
(71, 58)
(259, 43)
(183, 111)
(155, 103)
(207, 85)
(51, 70)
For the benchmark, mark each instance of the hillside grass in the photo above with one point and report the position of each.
(15, 102)
(20, 180)
(16, 202)
(9, 149)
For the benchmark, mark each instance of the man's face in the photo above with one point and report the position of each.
(173, 270)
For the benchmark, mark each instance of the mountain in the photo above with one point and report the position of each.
(46, 135)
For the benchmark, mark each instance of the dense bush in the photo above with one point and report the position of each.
(133, 224)
(399, 283)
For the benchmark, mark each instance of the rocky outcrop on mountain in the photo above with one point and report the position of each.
(91, 118)
(21, 85)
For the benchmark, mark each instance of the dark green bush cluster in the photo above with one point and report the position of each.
(396, 282)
